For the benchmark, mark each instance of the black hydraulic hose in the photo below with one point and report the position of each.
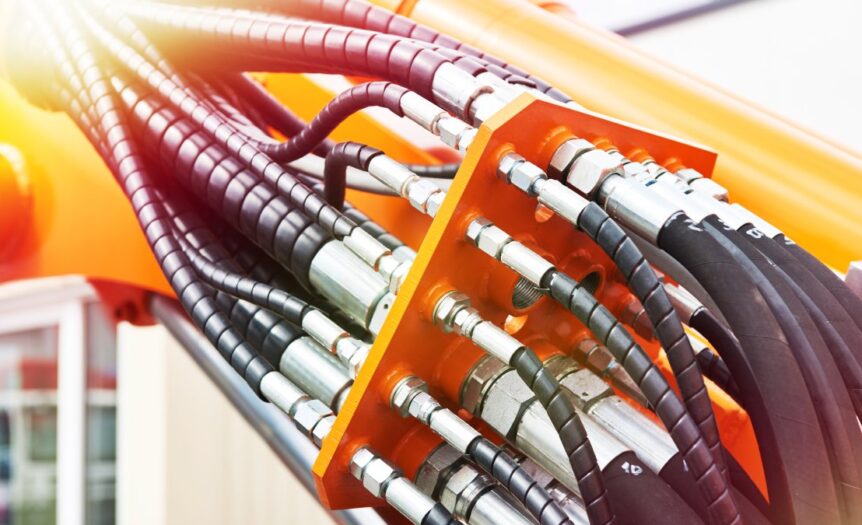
(223, 279)
(571, 431)
(644, 283)
(228, 137)
(715, 494)
(835, 412)
(196, 298)
(243, 200)
(276, 115)
(344, 155)
(851, 302)
(772, 387)
(517, 481)
(723, 340)
(836, 326)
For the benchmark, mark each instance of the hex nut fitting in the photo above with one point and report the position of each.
(447, 307)
(589, 170)
(566, 154)
(524, 176)
(404, 393)
(376, 475)
(507, 164)
(475, 228)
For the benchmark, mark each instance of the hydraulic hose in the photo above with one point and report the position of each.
(835, 412)
(196, 298)
(361, 14)
(722, 339)
(572, 434)
(435, 171)
(303, 45)
(644, 283)
(213, 175)
(714, 491)
(772, 387)
(839, 331)
(274, 113)
(342, 156)
(229, 138)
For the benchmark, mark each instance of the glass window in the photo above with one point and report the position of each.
(28, 427)
(101, 416)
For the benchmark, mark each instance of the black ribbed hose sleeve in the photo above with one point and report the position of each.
(245, 288)
(772, 387)
(722, 339)
(839, 331)
(644, 283)
(228, 137)
(378, 232)
(214, 176)
(571, 431)
(273, 112)
(130, 170)
(682, 427)
(499, 465)
(344, 155)
(851, 302)
(836, 413)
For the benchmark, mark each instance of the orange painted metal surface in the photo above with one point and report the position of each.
(795, 179)
(410, 344)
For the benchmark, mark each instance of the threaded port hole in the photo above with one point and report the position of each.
(525, 294)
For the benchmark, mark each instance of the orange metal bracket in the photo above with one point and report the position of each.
(410, 344)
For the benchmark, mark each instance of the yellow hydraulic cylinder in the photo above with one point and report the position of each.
(802, 183)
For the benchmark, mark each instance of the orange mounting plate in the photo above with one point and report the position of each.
(409, 343)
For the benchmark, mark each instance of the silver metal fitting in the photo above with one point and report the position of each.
(420, 193)
(393, 174)
(683, 302)
(486, 104)
(452, 131)
(525, 262)
(487, 237)
(465, 139)
(404, 392)
(759, 222)
(586, 387)
(316, 324)
(404, 253)
(366, 247)
(507, 164)
(456, 89)
(651, 442)
(352, 353)
(524, 176)
(599, 360)
(316, 371)
(281, 392)
(590, 169)
(481, 376)
(447, 306)
(641, 210)
(565, 155)
(710, 188)
(384, 481)
(379, 314)
(563, 201)
(347, 282)
(854, 277)
(635, 316)
(422, 111)
(314, 419)
(394, 271)
(696, 211)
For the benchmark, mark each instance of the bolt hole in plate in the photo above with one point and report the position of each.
(525, 294)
